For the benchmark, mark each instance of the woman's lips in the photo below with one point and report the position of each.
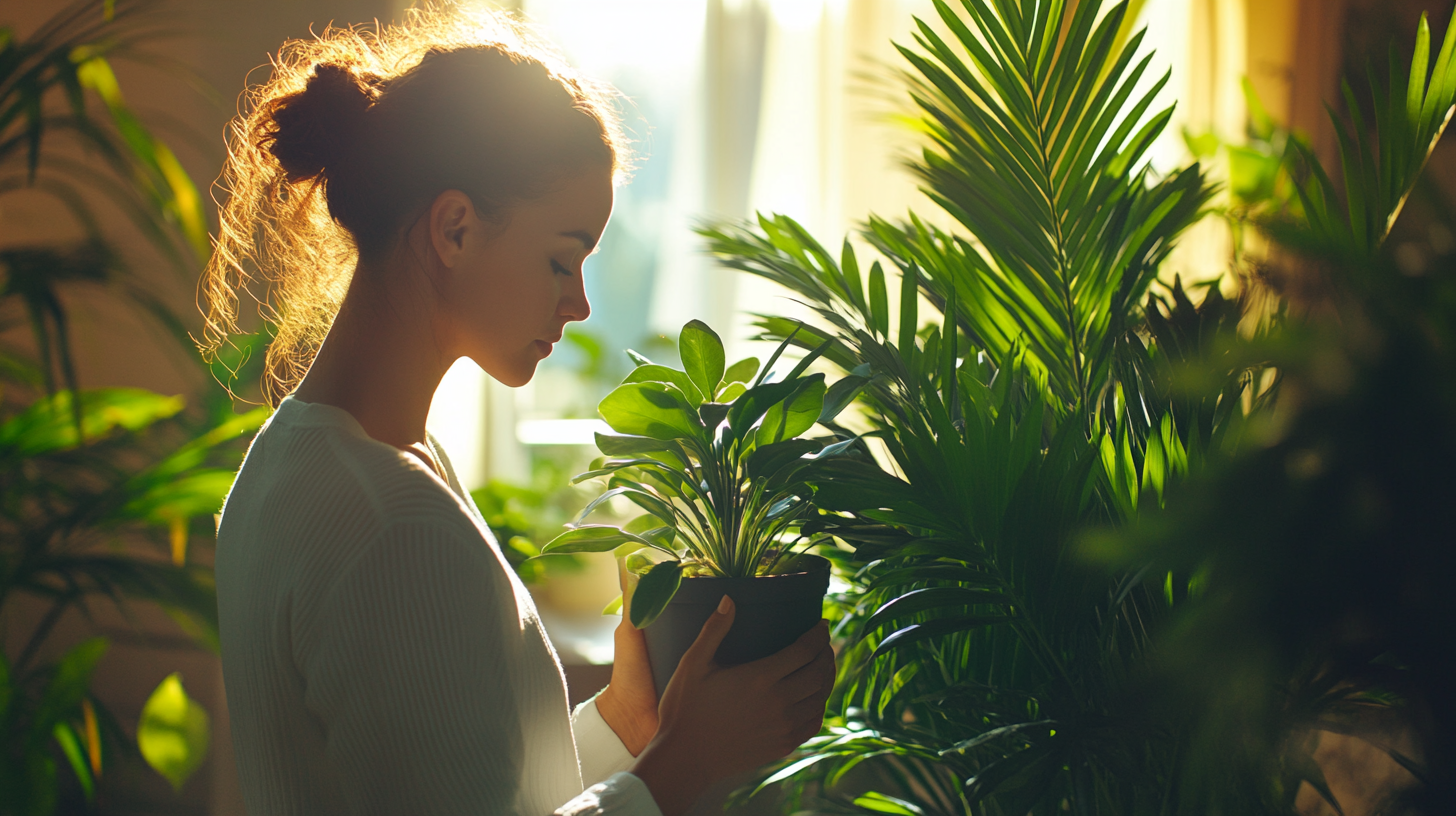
(543, 347)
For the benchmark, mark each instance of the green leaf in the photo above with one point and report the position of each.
(742, 371)
(47, 425)
(654, 591)
(702, 356)
(931, 599)
(909, 312)
(795, 414)
(651, 409)
(917, 632)
(198, 493)
(876, 802)
(662, 374)
(732, 391)
(713, 413)
(68, 685)
(756, 401)
(613, 607)
(70, 743)
(589, 538)
(840, 395)
(174, 732)
(767, 460)
(613, 445)
(879, 301)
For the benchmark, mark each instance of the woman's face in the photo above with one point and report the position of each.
(512, 284)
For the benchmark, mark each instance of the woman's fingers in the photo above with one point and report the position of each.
(796, 655)
(812, 679)
(699, 656)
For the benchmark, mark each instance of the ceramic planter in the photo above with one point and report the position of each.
(772, 612)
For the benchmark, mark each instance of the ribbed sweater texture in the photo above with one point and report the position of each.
(380, 656)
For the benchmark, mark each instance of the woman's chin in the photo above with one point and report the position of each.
(516, 375)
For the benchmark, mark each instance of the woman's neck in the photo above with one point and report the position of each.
(382, 360)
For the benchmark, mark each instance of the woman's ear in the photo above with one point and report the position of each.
(452, 215)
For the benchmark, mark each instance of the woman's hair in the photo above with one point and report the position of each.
(356, 131)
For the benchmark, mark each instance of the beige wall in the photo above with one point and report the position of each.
(115, 347)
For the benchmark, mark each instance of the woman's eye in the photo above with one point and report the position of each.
(559, 269)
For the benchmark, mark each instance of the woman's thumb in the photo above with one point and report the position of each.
(701, 653)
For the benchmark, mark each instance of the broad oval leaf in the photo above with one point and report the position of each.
(750, 408)
(660, 373)
(639, 563)
(174, 732)
(651, 409)
(713, 413)
(796, 414)
(614, 445)
(732, 391)
(742, 371)
(654, 591)
(702, 355)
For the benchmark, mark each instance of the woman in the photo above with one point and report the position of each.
(410, 197)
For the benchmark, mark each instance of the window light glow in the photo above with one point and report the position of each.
(559, 431)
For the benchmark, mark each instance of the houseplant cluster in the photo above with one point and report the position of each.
(1089, 574)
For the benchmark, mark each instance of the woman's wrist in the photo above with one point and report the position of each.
(670, 777)
(634, 728)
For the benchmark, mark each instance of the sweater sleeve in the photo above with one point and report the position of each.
(601, 750)
(405, 660)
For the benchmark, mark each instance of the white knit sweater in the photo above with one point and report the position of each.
(380, 655)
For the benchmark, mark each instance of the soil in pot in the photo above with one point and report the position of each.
(772, 612)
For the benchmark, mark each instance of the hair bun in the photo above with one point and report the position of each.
(315, 129)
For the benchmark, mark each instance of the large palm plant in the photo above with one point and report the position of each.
(1001, 671)
(994, 665)
(996, 668)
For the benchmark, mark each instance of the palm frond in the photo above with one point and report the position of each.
(1037, 148)
(1382, 160)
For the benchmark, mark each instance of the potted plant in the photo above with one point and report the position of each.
(714, 456)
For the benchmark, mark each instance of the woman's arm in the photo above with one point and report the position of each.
(408, 659)
(629, 702)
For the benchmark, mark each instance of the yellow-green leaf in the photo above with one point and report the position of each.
(174, 732)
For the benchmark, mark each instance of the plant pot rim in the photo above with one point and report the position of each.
(757, 589)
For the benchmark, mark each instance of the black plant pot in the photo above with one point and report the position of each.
(772, 612)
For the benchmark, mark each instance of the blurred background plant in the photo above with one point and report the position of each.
(103, 492)
(991, 666)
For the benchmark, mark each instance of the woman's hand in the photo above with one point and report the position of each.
(629, 703)
(716, 721)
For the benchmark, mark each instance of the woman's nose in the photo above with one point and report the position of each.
(574, 305)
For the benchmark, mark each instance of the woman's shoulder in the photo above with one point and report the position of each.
(314, 466)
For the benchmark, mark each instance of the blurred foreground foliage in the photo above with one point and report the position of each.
(103, 492)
